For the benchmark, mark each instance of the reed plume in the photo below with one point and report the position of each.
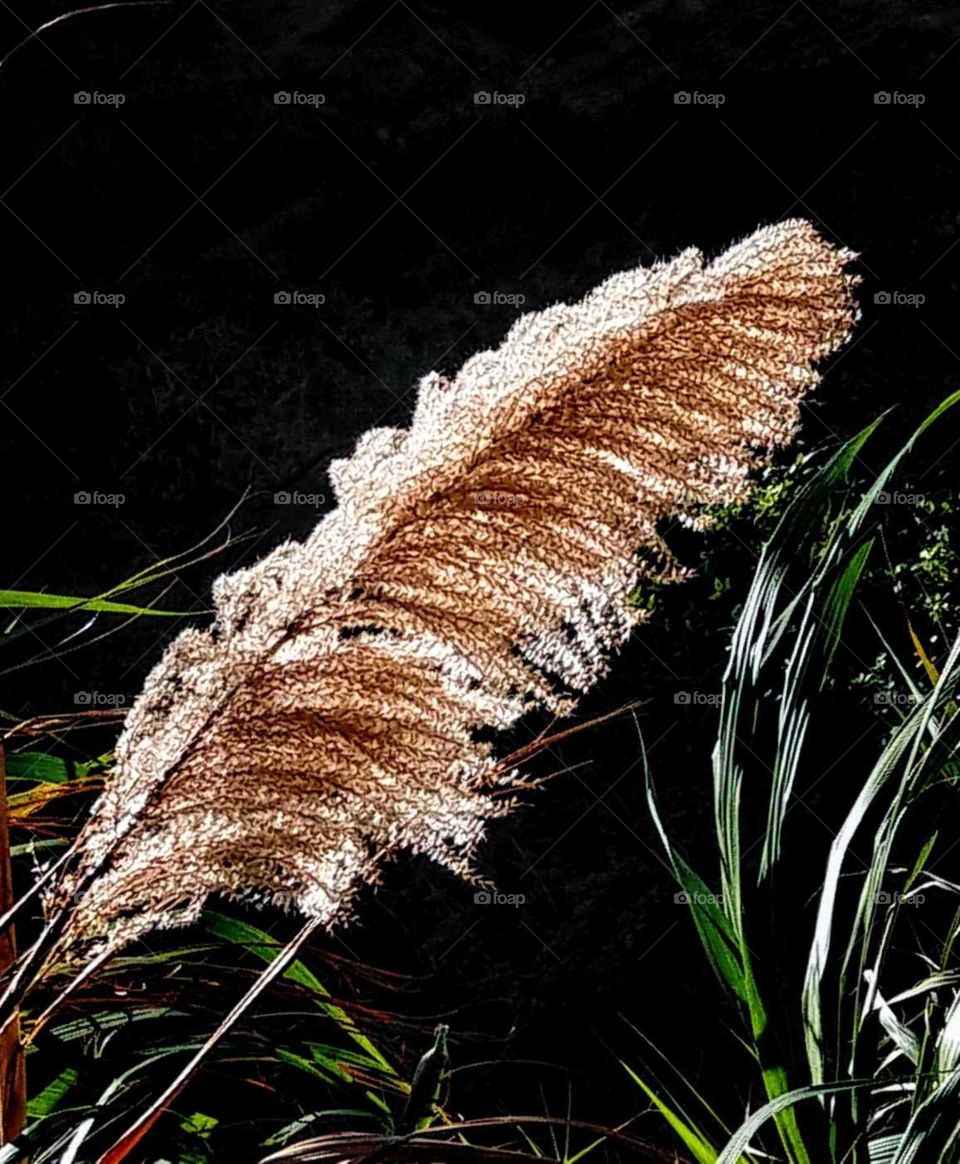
(478, 565)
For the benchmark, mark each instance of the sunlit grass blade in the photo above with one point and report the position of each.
(30, 600)
(690, 1135)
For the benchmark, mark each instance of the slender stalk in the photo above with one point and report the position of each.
(135, 1133)
(13, 1084)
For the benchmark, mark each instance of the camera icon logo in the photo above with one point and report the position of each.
(282, 297)
(482, 897)
(82, 297)
(482, 97)
(881, 98)
(882, 297)
(681, 697)
(82, 498)
(481, 297)
(281, 499)
(82, 97)
(681, 899)
(282, 97)
(681, 98)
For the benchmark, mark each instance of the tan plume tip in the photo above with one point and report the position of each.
(478, 565)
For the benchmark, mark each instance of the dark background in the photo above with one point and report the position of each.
(399, 199)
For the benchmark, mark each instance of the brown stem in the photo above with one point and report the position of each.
(13, 1083)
